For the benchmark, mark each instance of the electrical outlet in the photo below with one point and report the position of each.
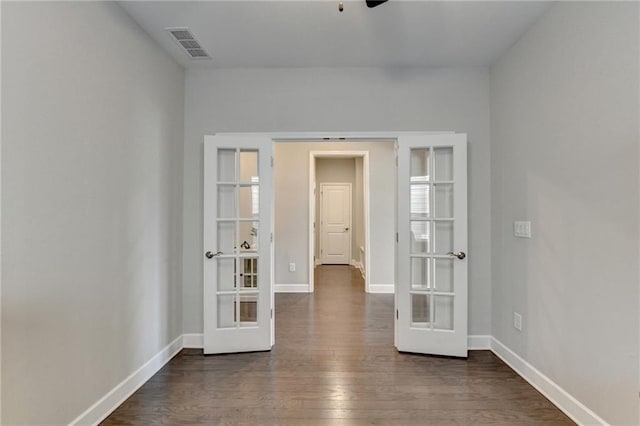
(292, 267)
(522, 229)
(517, 321)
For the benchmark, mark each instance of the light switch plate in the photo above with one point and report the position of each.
(522, 229)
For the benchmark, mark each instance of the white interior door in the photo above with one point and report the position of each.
(431, 292)
(237, 243)
(335, 223)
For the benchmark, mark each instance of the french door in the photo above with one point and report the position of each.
(431, 291)
(238, 300)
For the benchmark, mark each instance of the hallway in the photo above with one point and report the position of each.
(334, 363)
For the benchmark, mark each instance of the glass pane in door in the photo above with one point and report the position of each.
(226, 201)
(420, 311)
(226, 165)
(226, 236)
(420, 237)
(226, 310)
(419, 166)
(443, 275)
(443, 237)
(249, 201)
(226, 275)
(443, 200)
(420, 273)
(249, 273)
(248, 166)
(443, 312)
(443, 159)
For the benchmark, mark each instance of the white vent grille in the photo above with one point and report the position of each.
(188, 43)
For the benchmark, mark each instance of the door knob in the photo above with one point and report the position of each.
(460, 255)
(346, 229)
(211, 255)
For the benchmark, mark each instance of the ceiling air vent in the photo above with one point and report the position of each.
(188, 42)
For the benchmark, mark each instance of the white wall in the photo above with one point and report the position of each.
(91, 195)
(564, 122)
(292, 210)
(357, 99)
(336, 170)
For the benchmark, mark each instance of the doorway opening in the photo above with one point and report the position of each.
(339, 196)
(297, 241)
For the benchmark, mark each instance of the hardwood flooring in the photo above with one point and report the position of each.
(334, 363)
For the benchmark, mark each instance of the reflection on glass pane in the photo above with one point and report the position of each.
(444, 163)
(443, 237)
(443, 279)
(420, 273)
(419, 165)
(420, 237)
(226, 310)
(419, 200)
(443, 200)
(443, 312)
(248, 237)
(249, 201)
(226, 275)
(248, 310)
(226, 165)
(249, 273)
(248, 166)
(226, 236)
(420, 309)
(226, 201)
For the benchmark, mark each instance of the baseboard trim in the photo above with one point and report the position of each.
(112, 400)
(291, 288)
(358, 265)
(479, 342)
(382, 288)
(573, 408)
(193, 341)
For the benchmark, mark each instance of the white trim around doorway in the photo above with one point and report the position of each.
(312, 205)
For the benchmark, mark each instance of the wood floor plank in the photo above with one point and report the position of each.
(334, 364)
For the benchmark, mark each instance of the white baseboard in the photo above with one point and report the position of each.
(193, 341)
(291, 288)
(112, 400)
(318, 262)
(478, 342)
(573, 408)
(382, 288)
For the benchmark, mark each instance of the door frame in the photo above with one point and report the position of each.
(313, 155)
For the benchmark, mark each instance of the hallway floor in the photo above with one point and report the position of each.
(334, 363)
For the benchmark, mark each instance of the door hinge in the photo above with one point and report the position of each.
(272, 237)
(396, 314)
(272, 161)
(397, 238)
(271, 312)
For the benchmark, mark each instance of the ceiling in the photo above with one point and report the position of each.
(256, 34)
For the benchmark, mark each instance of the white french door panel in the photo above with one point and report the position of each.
(431, 292)
(335, 223)
(238, 188)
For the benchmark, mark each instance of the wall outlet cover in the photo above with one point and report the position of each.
(522, 229)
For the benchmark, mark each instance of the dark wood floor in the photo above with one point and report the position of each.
(334, 364)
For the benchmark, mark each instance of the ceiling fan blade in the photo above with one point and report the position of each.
(374, 3)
